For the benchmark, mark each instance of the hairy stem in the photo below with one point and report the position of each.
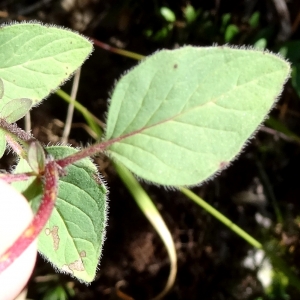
(14, 145)
(16, 131)
(92, 150)
(15, 137)
(118, 50)
(87, 152)
(9, 178)
(40, 219)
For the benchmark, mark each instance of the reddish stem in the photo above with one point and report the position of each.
(94, 149)
(9, 178)
(117, 50)
(15, 130)
(14, 145)
(40, 219)
(87, 152)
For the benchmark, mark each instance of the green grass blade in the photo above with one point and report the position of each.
(278, 262)
(92, 120)
(152, 214)
(239, 231)
(279, 126)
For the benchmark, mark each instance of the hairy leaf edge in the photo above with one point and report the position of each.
(36, 22)
(247, 142)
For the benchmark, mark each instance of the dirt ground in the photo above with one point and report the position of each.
(210, 256)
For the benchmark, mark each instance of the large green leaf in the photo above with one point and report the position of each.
(35, 59)
(182, 115)
(73, 237)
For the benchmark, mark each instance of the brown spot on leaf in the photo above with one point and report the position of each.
(175, 66)
(77, 265)
(55, 236)
(82, 253)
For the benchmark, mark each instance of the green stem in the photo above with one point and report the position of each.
(239, 231)
(118, 50)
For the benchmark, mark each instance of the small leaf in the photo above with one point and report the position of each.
(31, 188)
(36, 59)
(168, 14)
(260, 44)
(36, 157)
(182, 115)
(290, 50)
(230, 32)
(15, 109)
(190, 13)
(254, 19)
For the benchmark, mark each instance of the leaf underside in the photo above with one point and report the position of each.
(15, 109)
(73, 237)
(182, 115)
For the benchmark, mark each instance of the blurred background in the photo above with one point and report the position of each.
(260, 192)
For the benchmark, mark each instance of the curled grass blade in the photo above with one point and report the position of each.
(152, 214)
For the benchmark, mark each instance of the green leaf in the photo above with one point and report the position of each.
(15, 109)
(225, 21)
(36, 157)
(254, 19)
(73, 237)
(183, 115)
(32, 188)
(290, 50)
(1, 88)
(36, 59)
(230, 32)
(260, 44)
(2, 143)
(168, 14)
(190, 14)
